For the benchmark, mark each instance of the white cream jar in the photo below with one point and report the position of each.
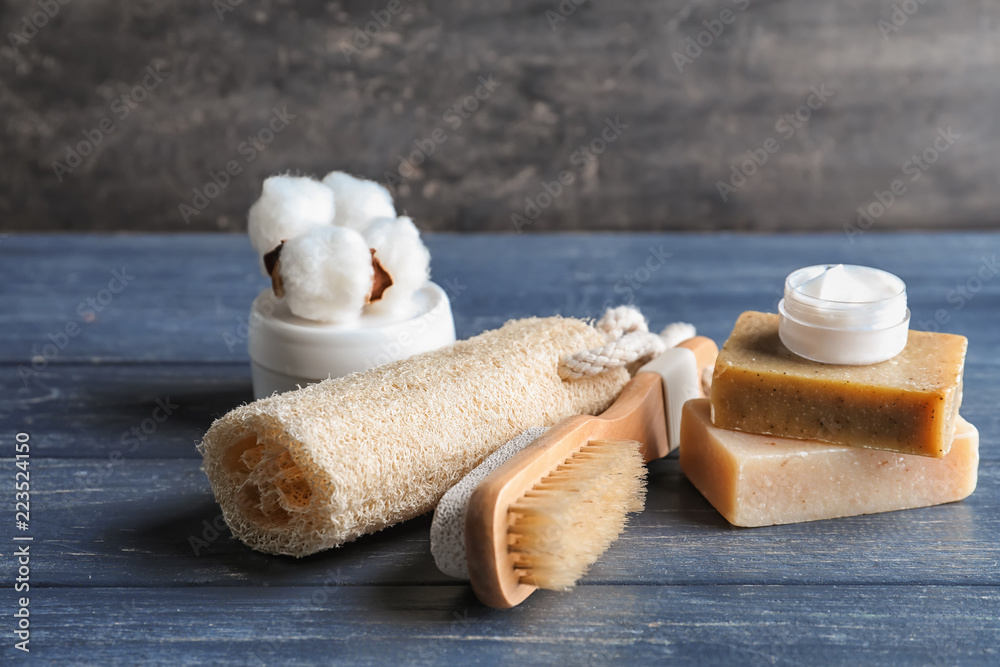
(844, 314)
(287, 351)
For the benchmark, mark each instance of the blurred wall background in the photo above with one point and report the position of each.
(740, 114)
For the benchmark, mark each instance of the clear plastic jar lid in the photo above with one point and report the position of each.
(844, 314)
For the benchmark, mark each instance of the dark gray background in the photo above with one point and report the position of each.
(559, 81)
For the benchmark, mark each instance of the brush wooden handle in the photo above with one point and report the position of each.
(638, 414)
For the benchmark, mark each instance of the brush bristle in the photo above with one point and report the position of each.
(565, 522)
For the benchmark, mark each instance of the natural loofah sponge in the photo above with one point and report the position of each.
(314, 468)
(402, 254)
(358, 201)
(288, 207)
(327, 274)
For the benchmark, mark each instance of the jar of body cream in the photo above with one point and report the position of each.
(844, 314)
(287, 351)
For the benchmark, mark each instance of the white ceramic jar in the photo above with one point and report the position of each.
(287, 351)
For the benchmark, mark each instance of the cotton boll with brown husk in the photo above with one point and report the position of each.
(399, 251)
(326, 274)
(289, 206)
(358, 201)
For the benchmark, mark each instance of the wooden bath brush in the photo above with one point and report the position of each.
(546, 514)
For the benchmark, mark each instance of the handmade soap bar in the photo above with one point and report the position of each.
(759, 480)
(907, 404)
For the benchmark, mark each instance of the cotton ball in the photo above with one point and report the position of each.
(402, 254)
(288, 207)
(358, 201)
(327, 274)
(678, 332)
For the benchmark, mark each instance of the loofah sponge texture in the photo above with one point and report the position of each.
(327, 274)
(289, 206)
(314, 468)
(402, 254)
(358, 201)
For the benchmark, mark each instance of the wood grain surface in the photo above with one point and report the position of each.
(131, 562)
(834, 100)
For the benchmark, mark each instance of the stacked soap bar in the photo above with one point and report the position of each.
(757, 480)
(786, 439)
(907, 404)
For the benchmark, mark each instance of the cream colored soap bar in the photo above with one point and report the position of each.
(907, 404)
(759, 480)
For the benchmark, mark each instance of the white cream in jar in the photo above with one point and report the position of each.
(844, 314)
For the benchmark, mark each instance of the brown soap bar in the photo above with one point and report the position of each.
(907, 404)
(759, 480)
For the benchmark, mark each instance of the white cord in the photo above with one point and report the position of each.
(628, 340)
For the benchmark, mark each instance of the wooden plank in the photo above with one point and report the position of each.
(90, 411)
(592, 625)
(191, 293)
(154, 523)
(137, 410)
(131, 563)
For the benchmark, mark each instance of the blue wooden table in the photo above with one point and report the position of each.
(118, 351)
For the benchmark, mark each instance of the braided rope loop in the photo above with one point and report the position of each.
(628, 340)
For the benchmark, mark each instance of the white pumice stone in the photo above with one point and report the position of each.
(398, 248)
(288, 207)
(448, 525)
(327, 274)
(358, 201)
